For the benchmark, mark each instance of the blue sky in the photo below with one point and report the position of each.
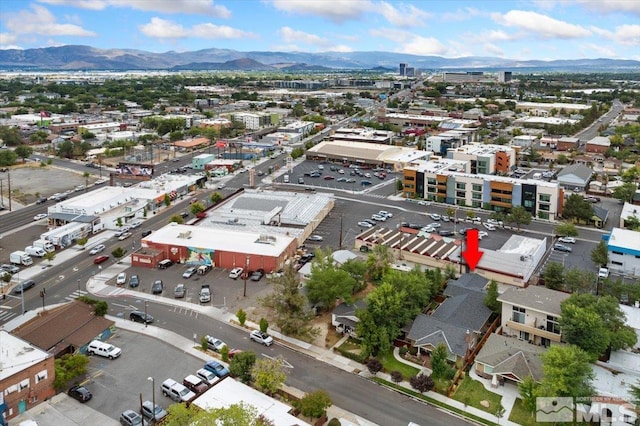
(535, 29)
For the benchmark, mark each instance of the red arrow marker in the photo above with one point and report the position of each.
(472, 255)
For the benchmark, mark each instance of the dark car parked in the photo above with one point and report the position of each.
(134, 281)
(80, 393)
(139, 316)
(257, 275)
(157, 287)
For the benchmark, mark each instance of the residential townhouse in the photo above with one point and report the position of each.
(452, 182)
(532, 314)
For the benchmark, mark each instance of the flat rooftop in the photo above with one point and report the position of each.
(238, 241)
(17, 355)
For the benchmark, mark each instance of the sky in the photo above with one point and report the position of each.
(521, 30)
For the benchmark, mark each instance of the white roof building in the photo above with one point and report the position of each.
(17, 355)
(229, 391)
(629, 210)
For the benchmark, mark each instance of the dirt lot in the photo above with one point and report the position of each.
(30, 181)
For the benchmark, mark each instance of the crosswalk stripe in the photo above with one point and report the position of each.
(4, 316)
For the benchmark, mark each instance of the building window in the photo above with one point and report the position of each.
(476, 204)
(477, 188)
(543, 215)
(617, 252)
(616, 263)
(42, 375)
(524, 336)
(552, 324)
(461, 186)
(545, 207)
(476, 196)
(545, 197)
(518, 314)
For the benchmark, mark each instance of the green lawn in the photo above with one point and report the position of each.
(521, 416)
(390, 363)
(471, 392)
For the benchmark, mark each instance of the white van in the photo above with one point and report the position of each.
(537, 175)
(286, 179)
(107, 350)
(35, 251)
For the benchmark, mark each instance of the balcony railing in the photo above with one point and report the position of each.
(554, 337)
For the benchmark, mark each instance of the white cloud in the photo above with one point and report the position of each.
(594, 50)
(499, 35)
(402, 15)
(162, 28)
(460, 15)
(409, 42)
(629, 35)
(493, 50)
(202, 7)
(7, 38)
(40, 21)
(612, 6)
(82, 4)
(539, 24)
(291, 37)
(334, 10)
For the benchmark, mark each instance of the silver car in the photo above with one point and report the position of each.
(150, 412)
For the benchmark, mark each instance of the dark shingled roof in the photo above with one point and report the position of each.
(73, 324)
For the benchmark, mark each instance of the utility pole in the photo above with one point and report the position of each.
(246, 272)
(340, 244)
(43, 292)
(9, 185)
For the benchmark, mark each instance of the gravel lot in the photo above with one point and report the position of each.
(31, 180)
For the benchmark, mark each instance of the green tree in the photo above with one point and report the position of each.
(242, 316)
(66, 149)
(49, 256)
(118, 252)
(634, 390)
(576, 207)
(600, 254)
(215, 198)
(10, 136)
(314, 404)
(197, 208)
(621, 336)
(417, 285)
(7, 157)
(584, 328)
(579, 281)
(357, 269)
(553, 276)
(167, 200)
(177, 219)
(68, 367)
(567, 230)
(264, 325)
(519, 216)
(625, 192)
(439, 366)
(241, 365)
(378, 262)
(566, 372)
(289, 305)
(528, 390)
(82, 241)
(491, 298)
(327, 282)
(23, 151)
(268, 375)
(382, 320)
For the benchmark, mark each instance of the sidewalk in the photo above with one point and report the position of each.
(97, 285)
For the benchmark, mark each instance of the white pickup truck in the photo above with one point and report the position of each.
(205, 294)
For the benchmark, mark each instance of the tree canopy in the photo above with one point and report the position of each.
(576, 207)
(328, 282)
(566, 372)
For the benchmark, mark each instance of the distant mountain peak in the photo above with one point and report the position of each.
(75, 57)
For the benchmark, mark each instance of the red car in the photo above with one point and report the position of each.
(98, 260)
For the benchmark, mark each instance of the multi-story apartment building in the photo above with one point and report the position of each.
(444, 141)
(301, 127)
(452, 182)
(252, 120)
(485, 158)
(532, 314)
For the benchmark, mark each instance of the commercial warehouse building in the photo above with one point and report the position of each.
(365, 154)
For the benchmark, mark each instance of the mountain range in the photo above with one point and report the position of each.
(73, 57)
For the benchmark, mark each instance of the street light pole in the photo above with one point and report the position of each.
(145, 314)
(153, 396)
(43, 292)
(246, 272)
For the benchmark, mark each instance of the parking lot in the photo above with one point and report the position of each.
(117, 384)
(226, 292)
(339, 176)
